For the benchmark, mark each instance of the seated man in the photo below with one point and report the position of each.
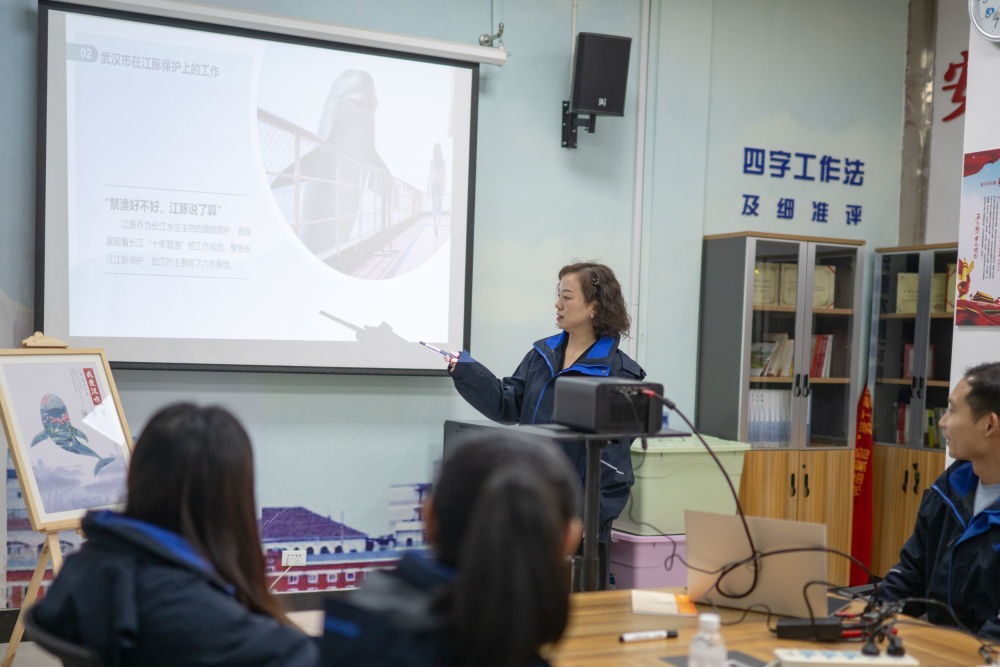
(953, 555)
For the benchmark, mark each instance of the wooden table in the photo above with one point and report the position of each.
(598, 618)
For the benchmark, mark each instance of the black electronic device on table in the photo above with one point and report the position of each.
(608, 405)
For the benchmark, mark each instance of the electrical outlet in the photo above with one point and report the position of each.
(293, 558)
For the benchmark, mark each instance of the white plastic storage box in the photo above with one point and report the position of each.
(676, 475)
(648, 561)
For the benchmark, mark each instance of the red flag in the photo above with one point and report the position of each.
(861, 530)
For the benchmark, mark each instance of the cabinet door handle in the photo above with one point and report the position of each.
(906, 479)
(806, 388)
(797, 389)
(916, 477)
(793, 485)
(805, 485)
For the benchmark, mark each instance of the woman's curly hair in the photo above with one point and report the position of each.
(599, 284)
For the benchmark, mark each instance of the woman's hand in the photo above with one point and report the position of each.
(452, 360)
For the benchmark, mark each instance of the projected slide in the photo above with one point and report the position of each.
(219, 199)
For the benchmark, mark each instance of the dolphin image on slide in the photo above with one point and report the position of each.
(57, 428)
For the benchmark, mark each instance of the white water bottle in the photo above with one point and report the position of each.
(707, 647)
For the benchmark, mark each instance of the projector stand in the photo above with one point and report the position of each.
(594, 442)
(591, 512)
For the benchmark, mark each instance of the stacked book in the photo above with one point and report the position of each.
(822, 351)
(769, 419)
(933, 437)
(773, 356)
(776, 284)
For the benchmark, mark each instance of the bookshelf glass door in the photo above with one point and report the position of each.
(897, 297)
(827, 362)
(770, 410)
(937, 367)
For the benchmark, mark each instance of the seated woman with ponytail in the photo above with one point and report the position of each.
(502, 520)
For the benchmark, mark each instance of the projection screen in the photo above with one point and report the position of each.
(214, 197)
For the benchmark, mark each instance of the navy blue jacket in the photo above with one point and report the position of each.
(399, 618)
(951, 556)
(138, 594)
(528, 397)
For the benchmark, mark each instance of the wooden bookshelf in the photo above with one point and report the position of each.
(906, 382)
(792, 310)
(775, 309)
(910, 316)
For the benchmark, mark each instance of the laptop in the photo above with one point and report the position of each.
(716, 540)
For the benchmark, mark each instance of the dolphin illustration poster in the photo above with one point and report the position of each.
(68, 436)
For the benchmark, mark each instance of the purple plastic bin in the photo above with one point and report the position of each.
(640, 561)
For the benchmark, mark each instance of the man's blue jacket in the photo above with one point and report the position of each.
(952, 557)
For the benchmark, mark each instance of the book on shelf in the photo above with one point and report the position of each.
(822, 348)
(788, 285)
(773, 360)
(824, 285)
(949, 288)
(932, 432)
(906, 292)
(938, 414)
(938, 283)
(781, 362)
(788, 359)
(760, 354)
(909, 358)
(769, 417)
(765, 284)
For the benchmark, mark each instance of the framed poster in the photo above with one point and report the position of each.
(977, 278)
(67, 433)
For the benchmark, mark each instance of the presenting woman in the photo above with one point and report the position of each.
(590, 310)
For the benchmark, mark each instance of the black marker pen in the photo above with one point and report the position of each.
(647, 635)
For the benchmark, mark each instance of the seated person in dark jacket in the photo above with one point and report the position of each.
(590, 310)
(502, 520)
(953, 556)
(178, 577)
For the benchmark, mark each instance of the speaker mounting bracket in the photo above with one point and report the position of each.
(571, 121)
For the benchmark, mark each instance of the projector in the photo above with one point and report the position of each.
(607, 405)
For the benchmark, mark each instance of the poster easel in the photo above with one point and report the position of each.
(50, 551)
(71, 394)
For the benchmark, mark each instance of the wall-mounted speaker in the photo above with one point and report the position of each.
(599, 74)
